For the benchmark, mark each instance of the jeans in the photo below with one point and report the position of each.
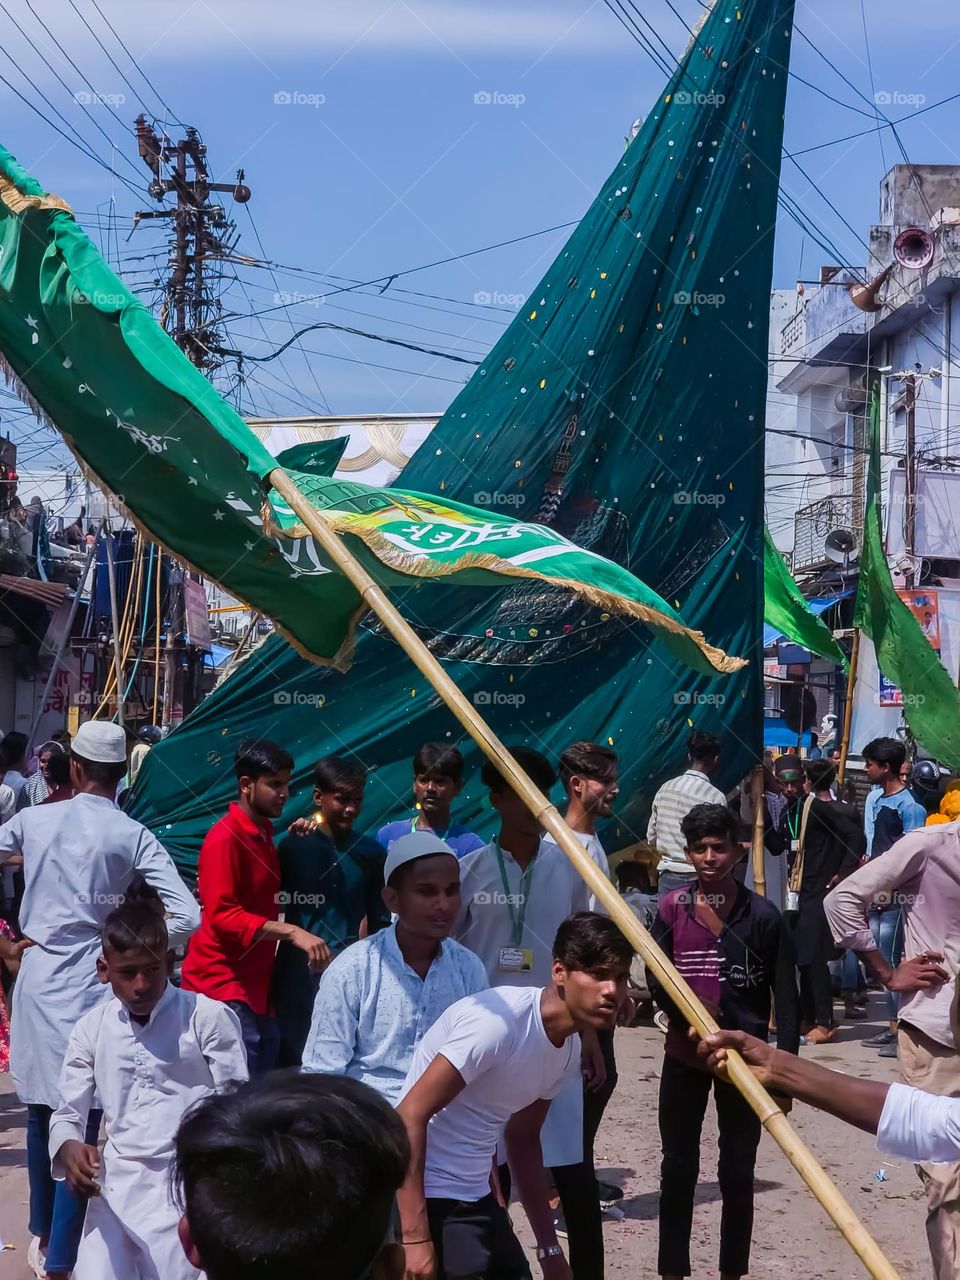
(261, 1038)
(667, 881)
(851, 977)
(683, 1102)
(474, 1240)
(887, 933)
(56, 1212)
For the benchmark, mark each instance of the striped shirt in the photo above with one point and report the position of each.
(671, 804)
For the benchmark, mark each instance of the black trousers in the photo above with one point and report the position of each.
(577, 1183)
(683, 1102)
(816, 994)
(474, 1240)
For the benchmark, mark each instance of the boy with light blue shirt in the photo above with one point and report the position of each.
(437, 781)
(380, 996)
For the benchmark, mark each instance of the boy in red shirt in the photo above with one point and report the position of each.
(231, 956)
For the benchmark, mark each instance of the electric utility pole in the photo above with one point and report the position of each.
(201, 232)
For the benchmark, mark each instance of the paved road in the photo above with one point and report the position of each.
(792, 1236)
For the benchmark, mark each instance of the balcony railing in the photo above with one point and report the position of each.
(811, 526)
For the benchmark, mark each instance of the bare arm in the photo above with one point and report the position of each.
(858, 1102)
(438, 1086)
(524, 1153)
(317, 951)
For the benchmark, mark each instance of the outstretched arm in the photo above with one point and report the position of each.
(525, 1156)
(858, 1102)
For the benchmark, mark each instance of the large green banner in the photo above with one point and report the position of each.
(622, 408)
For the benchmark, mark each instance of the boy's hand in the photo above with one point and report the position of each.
(318, 953)
(301, 827)
(420, 1262)
(757, 1054)
(918, 973)
(81, 1166)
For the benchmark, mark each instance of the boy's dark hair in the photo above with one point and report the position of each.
(884, 751)
(259, 758)
(587, 760)
(138, 923)
(537, 766)
(588, 940)
(709, 820)
(290, 1175)
(702, 745)
(332, 772)
(58, 769)
(12, 748)
(103, 773)
(440, 759)
(822, 774)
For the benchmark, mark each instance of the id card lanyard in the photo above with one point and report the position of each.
(518, 910)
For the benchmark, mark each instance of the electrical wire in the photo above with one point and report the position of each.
(166, 106)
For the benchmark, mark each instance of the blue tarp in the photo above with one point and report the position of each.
(772, 636)
(777, 734)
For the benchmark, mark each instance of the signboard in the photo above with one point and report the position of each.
(925, 607)
(196, 619)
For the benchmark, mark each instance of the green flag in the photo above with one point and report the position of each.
(94, 363)
(785, 608)
(931, 703)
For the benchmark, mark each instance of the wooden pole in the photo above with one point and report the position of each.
(756, 851)
(770, 1115)
(115, 621)
(848, 708)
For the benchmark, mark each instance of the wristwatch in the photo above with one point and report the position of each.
(551, 1251)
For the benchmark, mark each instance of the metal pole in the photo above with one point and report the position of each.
(910, 476)
(115, 620)
(58, 656)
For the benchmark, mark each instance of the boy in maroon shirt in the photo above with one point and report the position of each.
(231, 956)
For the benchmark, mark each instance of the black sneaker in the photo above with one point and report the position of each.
(881, 1040)
(607, 1192)
(888, 1050)
(560, 1223)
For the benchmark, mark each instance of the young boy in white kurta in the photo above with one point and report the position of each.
(147, 1055)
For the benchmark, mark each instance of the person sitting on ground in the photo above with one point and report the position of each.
(731, 947)
(144, 1057)
(484, 1073)
(292, 1176)
(437, 781)
(331, 882)
(909, 1122)
(378, 998)
(674, 801)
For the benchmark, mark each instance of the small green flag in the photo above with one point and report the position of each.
(95, 364)
(931, 703)
(785, 608)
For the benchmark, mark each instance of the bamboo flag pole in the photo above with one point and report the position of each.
(770, 1115)
(848, 708)
(756, 799)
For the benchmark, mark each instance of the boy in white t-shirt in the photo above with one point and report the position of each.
(487, 1069)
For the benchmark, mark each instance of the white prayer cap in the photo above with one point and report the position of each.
(100, 741)
(418, 844)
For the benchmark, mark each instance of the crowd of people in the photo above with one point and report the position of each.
(362, 1047)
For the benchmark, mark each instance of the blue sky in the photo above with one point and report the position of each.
(382, 160)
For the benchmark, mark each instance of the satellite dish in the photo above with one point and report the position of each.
(798, 707)
(841, 546)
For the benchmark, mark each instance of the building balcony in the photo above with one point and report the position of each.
(812, 524)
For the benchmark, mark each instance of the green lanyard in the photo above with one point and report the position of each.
(441, 835)
(518, 910)
(794, 826)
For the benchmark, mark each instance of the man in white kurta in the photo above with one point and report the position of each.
(79, 856)
(145, 1076)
